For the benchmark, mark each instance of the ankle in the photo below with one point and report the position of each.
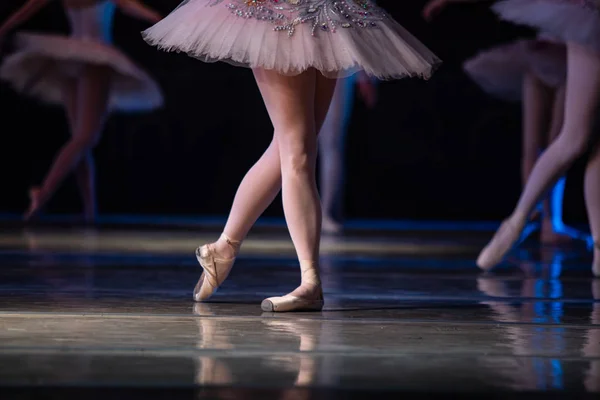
(227, 247)
(310, 273)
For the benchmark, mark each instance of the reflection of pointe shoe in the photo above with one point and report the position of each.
(504, 240)
(331, 227)
(34, 204)
(492, 287)
(308, 331)
(203, 309)
(591, 348)
(307, 297)
(212, 336)
(215, 269)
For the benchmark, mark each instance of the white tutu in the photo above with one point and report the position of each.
(337, 37)
(42, 63)
(570, 20)
(499, 71)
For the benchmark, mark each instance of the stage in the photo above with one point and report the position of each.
(108, 313)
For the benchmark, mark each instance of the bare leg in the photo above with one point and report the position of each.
(331, 148)
(256, 192)
(536, 110)
(86, 180)
(582, 93)
(592, 202)
(292, 103)
(92, 95)
(84, 171)
(553, 229)
(536, 104)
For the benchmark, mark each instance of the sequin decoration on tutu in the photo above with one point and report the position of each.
(336, 37)
(323, 14)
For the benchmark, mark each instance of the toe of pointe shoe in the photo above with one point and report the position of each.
(505, 239)
(483, 261)
(267, 306)
(201, 292)
(290, 304)
(196, 294)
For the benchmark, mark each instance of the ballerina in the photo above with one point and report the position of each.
(84, 73)
(296, 49)
(332, 140)
(533, 72)
(577, 24)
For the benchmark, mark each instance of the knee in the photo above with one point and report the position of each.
(298, 158)
(297, 163)
(573, 146)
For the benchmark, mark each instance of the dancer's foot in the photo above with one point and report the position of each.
(550, 237)
(216, 260)
(35, 203)
(330, 226)
(307, 297)
(504, 240)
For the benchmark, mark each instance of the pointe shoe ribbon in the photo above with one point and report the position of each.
(215, 270)
(291, 302)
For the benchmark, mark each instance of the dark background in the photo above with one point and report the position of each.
(435, 150)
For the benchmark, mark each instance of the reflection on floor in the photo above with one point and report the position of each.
(98, 310)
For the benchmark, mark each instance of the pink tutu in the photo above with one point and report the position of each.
(337, 37)
(570, 20)
(500, 70)
(42, 63)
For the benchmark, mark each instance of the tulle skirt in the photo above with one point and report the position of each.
(570, 20)
(337, 37)
(42, 63)
(499, 71)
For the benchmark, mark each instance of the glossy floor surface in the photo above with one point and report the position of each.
(405, 313)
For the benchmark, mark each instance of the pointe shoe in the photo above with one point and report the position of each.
(215, 269)
(301, 299)
(503, 241)
(34, 204)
